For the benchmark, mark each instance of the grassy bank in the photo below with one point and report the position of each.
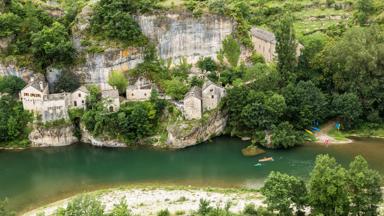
(362, 131)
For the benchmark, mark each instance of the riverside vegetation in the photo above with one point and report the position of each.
(330, 190)
(339, 75)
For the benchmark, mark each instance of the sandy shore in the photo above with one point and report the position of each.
(149, 201)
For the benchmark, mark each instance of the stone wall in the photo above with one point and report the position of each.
(56, 136)
(13, 70)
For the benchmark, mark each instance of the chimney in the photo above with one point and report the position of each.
(41, 85)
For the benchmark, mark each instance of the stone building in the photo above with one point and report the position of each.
(212, 95)
(141, 89)
(111, 99)
(79, 97)
(265, 44)
(55, 107)
(193, 104)
(32, 95)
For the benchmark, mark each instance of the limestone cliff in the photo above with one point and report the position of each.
(184, 134)
(13, 70)
(55, 136)
(87, 137)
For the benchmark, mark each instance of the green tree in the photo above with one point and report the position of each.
(364, 187)
(52, 45)
(83, 205)
(67, 82)
(285, 136)
(328, 187)
(365, 8)
(286, 47)
(13, 120)
(118, 80)
(231, 50)
(9, 24)
(207, 64)
(305, 103)
(348, 107)
(353, 63)
(284, 193)
(11, 85)
(175, 88)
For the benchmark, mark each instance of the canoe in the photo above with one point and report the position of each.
(266, 159)
(258, 164)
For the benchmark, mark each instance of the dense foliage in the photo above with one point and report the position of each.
(113, 19)
(332, 189)
(118, 80)
(11, 85)
(67, 82)
(13, 121)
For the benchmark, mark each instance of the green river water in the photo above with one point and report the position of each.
(35, 177)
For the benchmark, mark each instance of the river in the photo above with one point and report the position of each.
(34, 177)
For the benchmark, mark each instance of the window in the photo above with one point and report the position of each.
(26, 94)
(145, 94)
(133, 94)
(212, 96)
(82, 102)
(79, 95)
(111, 109)
(211, 90)
(75, 103)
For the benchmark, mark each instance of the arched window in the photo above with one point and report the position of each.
(111, 109)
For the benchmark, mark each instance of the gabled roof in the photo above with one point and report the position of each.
(82, 89)
(208, 83)
(36, 81)
(263, 35)
(194, 92)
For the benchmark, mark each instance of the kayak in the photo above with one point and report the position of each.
(266, 159)
(258, 164)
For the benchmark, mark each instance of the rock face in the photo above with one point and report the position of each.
(182, 135)
(57, 136)
(98, 66)
(181, 36)
(13, 70)
(87, 137)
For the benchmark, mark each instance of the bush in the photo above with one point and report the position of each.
(52, 45)
(11, 85)
(118, 80)
(175, 88)
(285, 136)
(67, 82)
(207, 64)
(9, 24)
(83, 205)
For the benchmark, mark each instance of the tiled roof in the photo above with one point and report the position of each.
(263, 35)
(194, 92)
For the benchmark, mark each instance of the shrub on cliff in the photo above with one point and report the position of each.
(113, 19)
(11, 85)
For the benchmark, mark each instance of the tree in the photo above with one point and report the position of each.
(262, 110)
(67, 82)
(9, 24)
(364, 9)
(113, 19)
(13, 120)
(118, 80)
(354, 64)
(11, 85)
(207, 64)
(285, 136)
(52, 45)
(286, 47)
(364, 187)
(175, 88)
(231, 50)
(348, 107)
(328, 188)
(305, 103)
(83, 205)
(284, 193)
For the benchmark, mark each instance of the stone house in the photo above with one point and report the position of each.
(32, 95)
(193, 104)
(265, 44)
(55, 107)
(79, 97)
(141, 89)
(212, 95)
(111, 99)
